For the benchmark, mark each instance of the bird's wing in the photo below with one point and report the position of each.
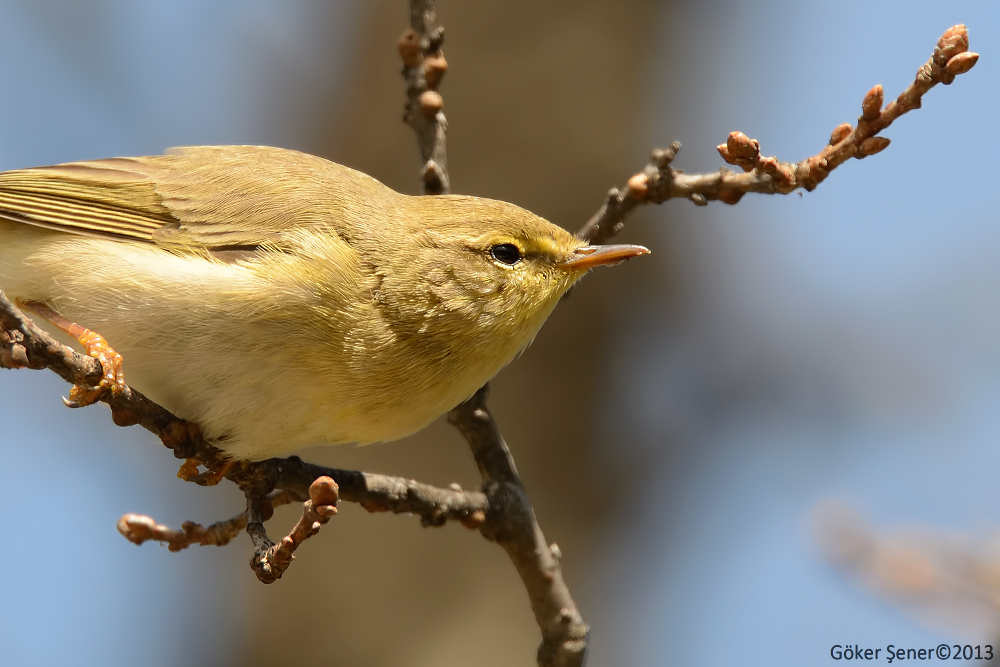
(215, 197)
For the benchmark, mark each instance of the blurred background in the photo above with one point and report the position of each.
(776, 434)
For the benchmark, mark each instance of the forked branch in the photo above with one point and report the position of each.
(659, 181)
(501, 511)
(25, 345)
(510, 520)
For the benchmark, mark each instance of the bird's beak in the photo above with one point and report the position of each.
(589, 256)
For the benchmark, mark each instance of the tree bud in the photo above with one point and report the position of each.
(430, 103)
(873, 145)
(434, 69)
(840, 133)
(871, 107)
(962, 63)
(409, 48)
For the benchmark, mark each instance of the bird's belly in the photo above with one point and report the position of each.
(256, 406)
(253, 408)
(220, 346)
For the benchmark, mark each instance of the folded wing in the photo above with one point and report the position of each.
(215, 197)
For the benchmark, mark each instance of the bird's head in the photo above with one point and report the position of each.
(483, 271)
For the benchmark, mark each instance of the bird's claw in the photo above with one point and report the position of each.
(212, 476)
(112, 380)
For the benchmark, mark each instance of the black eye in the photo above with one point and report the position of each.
(508, 253)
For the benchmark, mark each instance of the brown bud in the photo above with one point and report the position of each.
(430, 103)
(434, 69)
(15, 356)
(325, 511)
(959, 31)
(409, 48)
(698, 199)
(742, 146)
(962, 63)
(638, 186)
(122, 416)
(432, 177)
(740, 150)
(840, 133)
(955, 40)
(872, 145)
(871, 107)
(730, 196)
(324, 491)
(474, 519)
(136, 528)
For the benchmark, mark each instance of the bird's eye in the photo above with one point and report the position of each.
(508, 253)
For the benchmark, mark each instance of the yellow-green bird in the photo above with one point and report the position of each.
(278, 299)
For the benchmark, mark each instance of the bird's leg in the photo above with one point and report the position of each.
(212, 476)
(94, 345)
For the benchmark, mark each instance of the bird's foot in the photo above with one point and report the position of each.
(113, 379)
(212, 476)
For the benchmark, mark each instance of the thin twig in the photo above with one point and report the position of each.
(948, 579)
(271, 560)
(502, 512)
(510, 519)
(658, 181)
(423, 68)
(138, 528)
(25, 345)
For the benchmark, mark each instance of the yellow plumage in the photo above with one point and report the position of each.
(281, 300)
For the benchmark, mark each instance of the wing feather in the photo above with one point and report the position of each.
(208, 196)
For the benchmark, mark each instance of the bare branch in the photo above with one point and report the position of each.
(423, 68)
(658, 181)
(509, 519)
(137, 528)
(502, 511)
(25, 345)
(376, 493)
(511, 523)
(271, 560)
(947, 579)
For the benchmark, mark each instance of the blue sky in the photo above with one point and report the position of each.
(841, 345)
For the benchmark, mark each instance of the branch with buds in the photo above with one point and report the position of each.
(658, 181)
(138, 528)
(501, 511)
(947, 579)
(510, 521)
(270, 560)
(423, 68)
(25, 345)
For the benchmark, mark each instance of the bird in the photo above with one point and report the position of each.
(278, 299)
